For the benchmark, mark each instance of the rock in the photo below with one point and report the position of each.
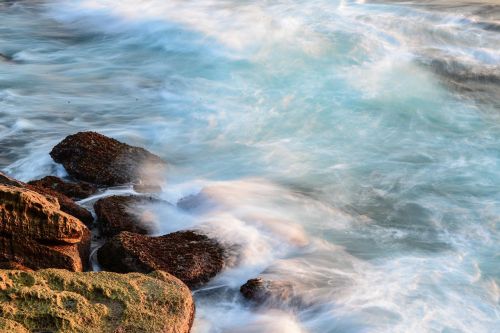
(191, 257)
(14, 265)
(145, 188)
(269, 291)
(95, 158)
(60, 301)
(6, 180)
(74, 191)
(10, 326)
(27, 213)
(31, 254)
(200, 202)
(35, 233)
(67, 205)
(120, 213)
(6, 58)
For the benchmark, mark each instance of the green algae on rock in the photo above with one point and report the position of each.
(10, 326)
(56, 300)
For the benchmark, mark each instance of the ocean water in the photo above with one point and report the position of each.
(351, 148)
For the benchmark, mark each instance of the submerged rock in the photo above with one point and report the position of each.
(75, 191)
(270, 292)
(147, 188)
(95, 158)
(34, 232)
(6, 58)
(192, 257)
(118, 213)
(60, 301)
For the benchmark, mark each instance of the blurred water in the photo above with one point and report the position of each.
(348, 147)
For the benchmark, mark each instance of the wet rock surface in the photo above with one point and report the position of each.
(192, 257)
(35, 233)
(60, 301)
(119, 213)
(145, 188)
(6, 58)
(74, 191)
(269, 292)
(98, 159)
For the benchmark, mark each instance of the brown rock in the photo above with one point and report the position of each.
(35, 255)
(27, 213)
(6, 180)
(14, 265)
(191, 257)
(35, 233)
(270, 292)
(95, 158)
(120, 213)
(75, 191)
(67, 205)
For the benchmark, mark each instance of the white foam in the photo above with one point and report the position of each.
(238, 26)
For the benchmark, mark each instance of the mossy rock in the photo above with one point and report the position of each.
(54, 300)
(10, 326)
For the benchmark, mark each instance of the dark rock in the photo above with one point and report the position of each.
(200, 202)
(95, 158)
(120, 213)
(67, 205)
(75, 191)
(191, 257)
(6, 58)
(269, 291)
(6, 180)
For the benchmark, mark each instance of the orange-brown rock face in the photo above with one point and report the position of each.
(54, 187)
(67, 205)
(37, 234)
(24, 212)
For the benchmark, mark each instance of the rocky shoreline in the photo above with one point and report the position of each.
(45, 241)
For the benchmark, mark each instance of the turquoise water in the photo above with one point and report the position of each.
(351, 148)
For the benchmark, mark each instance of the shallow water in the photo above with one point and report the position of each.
(351, 148)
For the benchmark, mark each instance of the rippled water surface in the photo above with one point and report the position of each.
(351, 148)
